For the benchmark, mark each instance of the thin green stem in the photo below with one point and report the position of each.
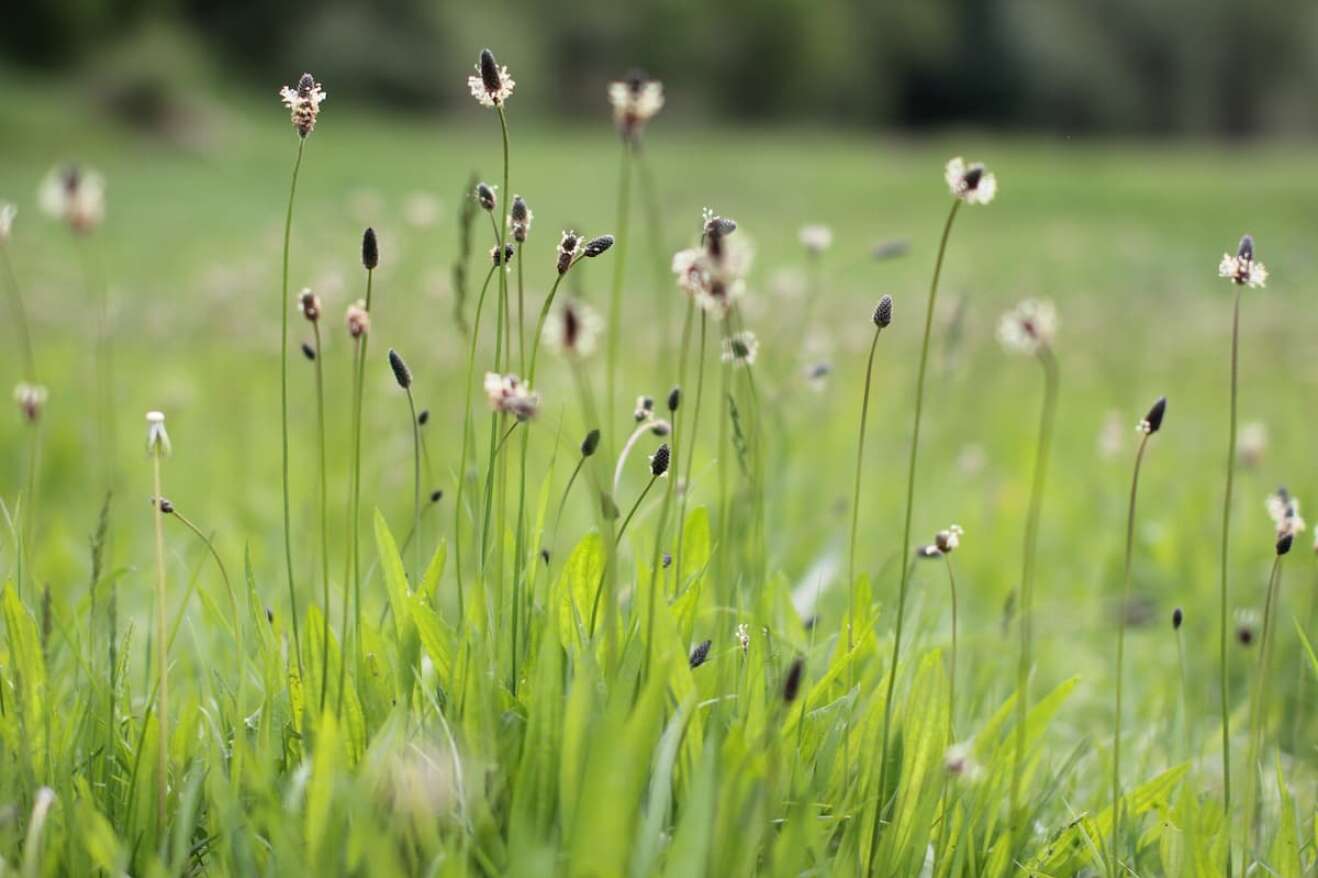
(20, 315)
(615, 293)
(1026, 623)
(348, 559)
(617, 540)
(283, 400)
(467, 432)
(906, 529)
(416, 490)
(1113, 863)
(324, 516)
(359, 408)
(1257, 708)
(1224, 686)
(162, 655)
(855, 499)
(690, 443)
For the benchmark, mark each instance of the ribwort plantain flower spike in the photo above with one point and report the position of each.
(370, 250)
(597, 246)
(492, 85)
(485, 196)
(883, 312)
(659, 461)
(792, 682)
(402, 374)
(591, 443)
(700, 654)
(303, 103)
(1153, 420)
(1242, 269)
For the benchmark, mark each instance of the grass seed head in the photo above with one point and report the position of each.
(598, 246)
(1153, 420)
(370, 250)
(521, 219)
(303, 103)
(402, 374)
(883, 312)
(591, 443)
(309, 304)
(674, 399)
(659, 461)
(423, 417)
(700, 654)
(308, 351)
(485, 196)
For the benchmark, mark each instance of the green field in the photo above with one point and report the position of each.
(595, 765)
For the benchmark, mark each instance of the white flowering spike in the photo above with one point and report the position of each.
(1242, 269)
(491, 85)
(971, 183)
(358, 319)
(636, 100)
(741, 348)
(573, 328)
(303, 102)
(743, 636)
(816, 239)
(31, 398)
(1284, 510)
(157, 440)
(7, 213)
(508, 395)
(74, 196)
(1029, 327)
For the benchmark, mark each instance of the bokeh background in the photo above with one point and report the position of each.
(1133, 142)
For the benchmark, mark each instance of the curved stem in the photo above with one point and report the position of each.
(906, 527)
(1257, 707)
(855, 499)
(617, 540)
(284, 306)
(1046, 419)
(20, 315)
(691, 444)
(1224, 693)
(416, 490)
(1121, 655)
(466, 436)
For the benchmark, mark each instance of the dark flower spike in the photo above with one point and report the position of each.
(544, 556)
(1246, 249)
(402, 374)
(792, 683)
(659, 461)
(485, 196)
(490, 72)
(590, 443)
(700, 654)
(597, 246)
(1177, 618)
(1153, 420)
(423, 418)
(166, 507)
(883, 312)
(674, 399)
(308, 351)
(436, 496)
(1284, 544)
(508, 253)
(370, 250)
(1245, 634)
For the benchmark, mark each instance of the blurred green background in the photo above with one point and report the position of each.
(1218, 67)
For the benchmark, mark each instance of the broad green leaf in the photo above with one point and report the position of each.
(578, 584)
(1286, 844)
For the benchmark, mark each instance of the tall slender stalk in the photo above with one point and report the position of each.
(615, 292)
(467, 432)
(1258, 707)
(162, 653)
(324, 515)
(1113, 866)
(21, 327)
(358, 412)
(416, 491)
(1046, 423)
(283, 408)
(879, 324)
(906, 526)
(690, 443)
(1224, 693)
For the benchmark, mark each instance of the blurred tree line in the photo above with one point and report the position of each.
(1127, 66)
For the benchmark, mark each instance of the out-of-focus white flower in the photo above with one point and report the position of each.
(635, 101)
(75, 196)
(31, 398)
(491, 85)
(816, 376)
(303, 102)
(157, 440)
(972, 459)
(1284, 510)
(816, 238)
(959, 763)
(358, 319)
(1252, 443)
(421, 209)
(1242, 269)
(971, 183)
(743, 634)
(7, 213)
(1112, 435)
(741, 348)
(1029, 327)
(573, 328)
(714, 274)
(508, 395)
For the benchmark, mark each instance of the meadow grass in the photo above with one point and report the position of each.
(449, 746)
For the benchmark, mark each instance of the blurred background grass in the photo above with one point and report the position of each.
(1133, 144)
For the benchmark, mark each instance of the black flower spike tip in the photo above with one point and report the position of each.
(659, 462)
(1155, 415)
(402, 374)
(674, 399)
(1246, 249)
(700, 654)
(485, 196)
(423, 417)
(308, 351)
(1284, 544)
(436, 496)
(370, 250)
(1177, 618)
(883, 312)
(490, 72)
(597, 246)
(792, 683)
(591, 443)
